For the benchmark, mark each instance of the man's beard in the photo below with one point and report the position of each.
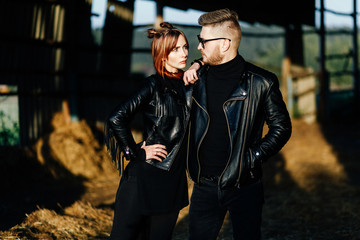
(214, 58)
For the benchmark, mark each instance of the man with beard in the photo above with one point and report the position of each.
(232, 99)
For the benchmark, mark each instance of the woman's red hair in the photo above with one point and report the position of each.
(164, 41)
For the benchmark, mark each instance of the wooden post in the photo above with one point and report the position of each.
(294, 54)
(117, 34)
(294, 47)
(356, 64)
(66, 111)
(323, 76)
(159, 14)
(285, 74)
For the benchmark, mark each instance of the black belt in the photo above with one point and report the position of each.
(214, 179)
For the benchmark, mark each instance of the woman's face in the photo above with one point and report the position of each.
(178, 56)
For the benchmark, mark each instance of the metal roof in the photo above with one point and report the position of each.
(278, 12)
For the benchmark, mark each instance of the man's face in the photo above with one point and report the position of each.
(211, 51)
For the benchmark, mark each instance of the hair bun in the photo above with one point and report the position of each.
(151, 32)
(165, 28)
(166, 25)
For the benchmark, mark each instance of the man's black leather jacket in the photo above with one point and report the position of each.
(256, 99)
(166, 115)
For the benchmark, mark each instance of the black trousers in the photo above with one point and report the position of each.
(130, 224)
(209, 205)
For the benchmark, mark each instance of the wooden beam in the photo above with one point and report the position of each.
(323, 76)
(159, 14)
(356, 63)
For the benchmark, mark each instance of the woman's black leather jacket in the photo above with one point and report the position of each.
(166, 114)
(256, 99)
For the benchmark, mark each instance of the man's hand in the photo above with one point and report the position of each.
(190, 75)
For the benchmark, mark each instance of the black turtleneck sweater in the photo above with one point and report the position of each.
(215, 148)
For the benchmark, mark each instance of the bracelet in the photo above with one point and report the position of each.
(197, 61)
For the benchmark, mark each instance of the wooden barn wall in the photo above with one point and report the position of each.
(48, 52)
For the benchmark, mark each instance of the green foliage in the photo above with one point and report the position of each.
(9, 131)
(339, 68)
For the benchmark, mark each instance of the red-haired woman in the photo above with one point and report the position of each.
(153, 188)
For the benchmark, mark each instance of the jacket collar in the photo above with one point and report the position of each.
(240, 92)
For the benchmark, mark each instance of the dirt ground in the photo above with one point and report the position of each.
(64, 187)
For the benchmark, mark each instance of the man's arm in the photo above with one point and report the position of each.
(279, 123)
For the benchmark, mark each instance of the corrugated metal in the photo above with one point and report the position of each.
(279, 12)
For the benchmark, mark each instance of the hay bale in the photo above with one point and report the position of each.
(73, 149)
(79, 221)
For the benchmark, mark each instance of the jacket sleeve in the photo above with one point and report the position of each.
(278, 121)
(118, 136)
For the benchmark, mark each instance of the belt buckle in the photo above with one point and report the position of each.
(213, 179)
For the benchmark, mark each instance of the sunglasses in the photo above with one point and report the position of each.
(203, 41)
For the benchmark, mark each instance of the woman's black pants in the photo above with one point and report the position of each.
(130, 224)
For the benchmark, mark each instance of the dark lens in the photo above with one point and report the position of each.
(201, 41)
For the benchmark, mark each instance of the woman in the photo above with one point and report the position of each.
(153, 188)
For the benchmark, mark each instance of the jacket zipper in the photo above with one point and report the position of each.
(231, 145)
(202, 138)
(182, 138)
(187, 149)
(245, 133)
(153, 129)
(252, 164)
(187, 110)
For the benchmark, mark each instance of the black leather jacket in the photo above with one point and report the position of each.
(166, 114)
(256, 99)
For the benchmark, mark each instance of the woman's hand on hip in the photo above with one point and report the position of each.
(155, 151)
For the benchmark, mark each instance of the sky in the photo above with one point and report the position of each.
(145, 13)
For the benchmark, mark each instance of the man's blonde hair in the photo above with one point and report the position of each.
(227, 21)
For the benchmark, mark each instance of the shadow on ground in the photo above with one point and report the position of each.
(27, 185)
(312, 188)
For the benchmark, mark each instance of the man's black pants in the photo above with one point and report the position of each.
(209, 206)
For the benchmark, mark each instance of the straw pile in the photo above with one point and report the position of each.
(312, 188)
(80, 221)
(73, 149)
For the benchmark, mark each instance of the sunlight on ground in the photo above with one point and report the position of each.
(310, 158)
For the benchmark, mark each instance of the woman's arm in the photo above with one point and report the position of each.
(190, 75)
(118, 136)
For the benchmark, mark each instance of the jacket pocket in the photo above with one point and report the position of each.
(254, 165)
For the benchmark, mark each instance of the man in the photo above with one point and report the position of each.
(231, 101)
